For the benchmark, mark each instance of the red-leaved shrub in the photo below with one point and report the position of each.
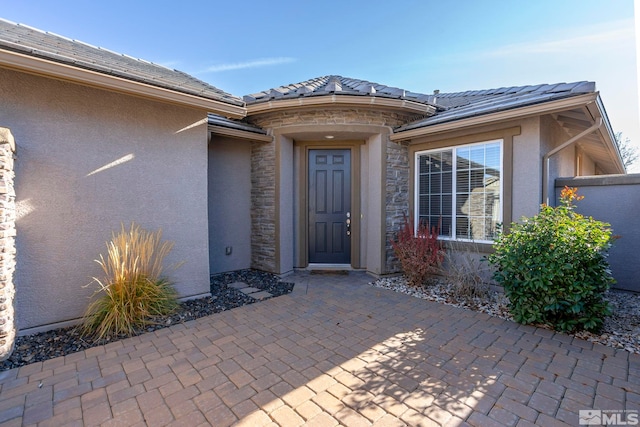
(419, 252)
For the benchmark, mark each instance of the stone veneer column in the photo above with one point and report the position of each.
(396, 198)
(7, 244)
(263, 206)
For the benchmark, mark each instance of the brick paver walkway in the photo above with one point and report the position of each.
(335, 352)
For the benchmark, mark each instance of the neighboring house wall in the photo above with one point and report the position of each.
(585, 165)
(600, 195)
(229, 204)
(90, 160)
(552, 135)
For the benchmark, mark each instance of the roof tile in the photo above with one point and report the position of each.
(50, 46)
(456, 106)
(338, 85)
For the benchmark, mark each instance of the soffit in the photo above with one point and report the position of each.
(599, 145)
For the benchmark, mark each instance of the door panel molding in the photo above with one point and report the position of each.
(329, 188)
(302, 196)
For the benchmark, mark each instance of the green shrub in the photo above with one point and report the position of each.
(420, 253)
(133, 288)
(554, 269)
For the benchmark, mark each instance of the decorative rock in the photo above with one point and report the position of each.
(620, 330)
(60, 342)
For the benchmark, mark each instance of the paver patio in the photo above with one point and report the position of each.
(334, 352)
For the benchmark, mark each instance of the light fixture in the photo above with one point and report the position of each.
(329, 136)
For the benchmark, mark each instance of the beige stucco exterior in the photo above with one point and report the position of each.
(383, 167)
(89, 160)
(229, 201)
(96, 151)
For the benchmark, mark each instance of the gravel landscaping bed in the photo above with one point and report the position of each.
(59, 342)
(621, 330)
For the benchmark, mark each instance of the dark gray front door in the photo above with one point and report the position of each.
(330, 206)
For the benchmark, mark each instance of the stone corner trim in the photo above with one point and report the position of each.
(7, 244)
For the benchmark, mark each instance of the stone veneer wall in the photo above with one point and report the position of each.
(397, 198)
(263, 206)
(332, 116)
(263, 174)
(7, 244)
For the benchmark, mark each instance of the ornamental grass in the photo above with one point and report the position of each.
(132, 289)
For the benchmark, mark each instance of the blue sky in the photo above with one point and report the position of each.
(248, 46)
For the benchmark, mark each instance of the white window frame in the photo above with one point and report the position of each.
(454, 149)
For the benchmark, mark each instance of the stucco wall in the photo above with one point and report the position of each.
(229, 204)
(553, 135)
(373, 220)
(285, 208)
(90, 160)
(600, 195)
(527, 170)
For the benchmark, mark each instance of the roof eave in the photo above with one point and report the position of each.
(340, 100)
(608, 136)
(42, 67)
(516, 113)
(239, 134)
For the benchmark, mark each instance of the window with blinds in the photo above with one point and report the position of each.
(459, 190)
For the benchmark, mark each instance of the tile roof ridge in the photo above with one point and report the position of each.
(338, 85)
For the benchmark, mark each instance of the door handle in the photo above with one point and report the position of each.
(348, 221)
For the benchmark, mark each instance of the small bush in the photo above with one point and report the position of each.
(133, 288)
(553, 267)
(420, 253)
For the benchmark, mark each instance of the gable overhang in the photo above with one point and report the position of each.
(597, 110)
(341, 101)
(51, 69)
(599, 144)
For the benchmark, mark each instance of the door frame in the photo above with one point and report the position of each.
(302, 206)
